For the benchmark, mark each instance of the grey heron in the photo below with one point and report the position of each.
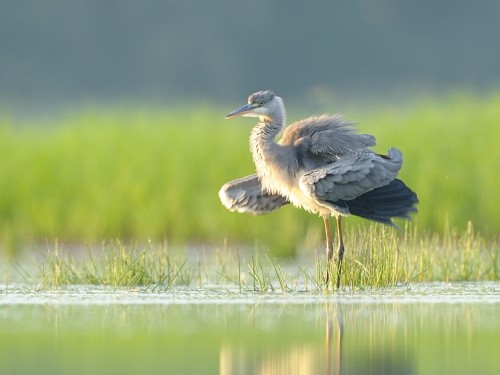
(320, 164)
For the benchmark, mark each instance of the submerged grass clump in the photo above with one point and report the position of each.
(377, 257)
(115, 265)
(383, 257)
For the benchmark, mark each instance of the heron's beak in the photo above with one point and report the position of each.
(240, 111)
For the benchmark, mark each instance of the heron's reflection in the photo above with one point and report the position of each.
(297, 357)
(343, 338)
(334, 338)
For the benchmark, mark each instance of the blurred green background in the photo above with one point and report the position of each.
(111, 112)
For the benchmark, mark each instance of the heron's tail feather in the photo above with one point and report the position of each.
(384, 203)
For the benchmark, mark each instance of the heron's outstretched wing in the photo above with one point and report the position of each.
(326, 135)
(352, 175)
(246, 195)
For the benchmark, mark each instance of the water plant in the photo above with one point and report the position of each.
(381, 257)
(115, 264)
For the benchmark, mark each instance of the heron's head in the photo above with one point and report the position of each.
(263, 104)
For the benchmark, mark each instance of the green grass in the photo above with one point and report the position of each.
(115, 265)
(376, 257)
(139, 174)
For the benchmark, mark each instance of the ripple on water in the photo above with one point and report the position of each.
(429, 293)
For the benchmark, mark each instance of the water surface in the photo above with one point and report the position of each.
(432, 328)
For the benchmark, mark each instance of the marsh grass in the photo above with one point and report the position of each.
(136, 173)
(116, 265)
(381, 257)
(268, 275)
(377, 257)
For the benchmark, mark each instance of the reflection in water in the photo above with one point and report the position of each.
(374, 348)
(255, 334)
(339, 319)
(295, 359)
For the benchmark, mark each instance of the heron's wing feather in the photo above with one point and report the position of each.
(352, 175)
(326, 134)
(246, 195)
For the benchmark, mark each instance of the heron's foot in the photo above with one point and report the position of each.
(329, 262)
(338, 279)
(330, 273)
(340, 257)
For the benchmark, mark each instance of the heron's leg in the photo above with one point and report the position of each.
(340, 249)
(329, 246)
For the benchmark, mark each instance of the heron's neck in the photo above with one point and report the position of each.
(265, 132)
(263, 141)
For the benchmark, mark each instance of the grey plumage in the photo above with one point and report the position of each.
(354, 173)
(320, 164)
(246, 195)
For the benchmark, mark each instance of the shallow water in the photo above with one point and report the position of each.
(432, 328)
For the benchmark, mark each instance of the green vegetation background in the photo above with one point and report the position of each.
(155, 173)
